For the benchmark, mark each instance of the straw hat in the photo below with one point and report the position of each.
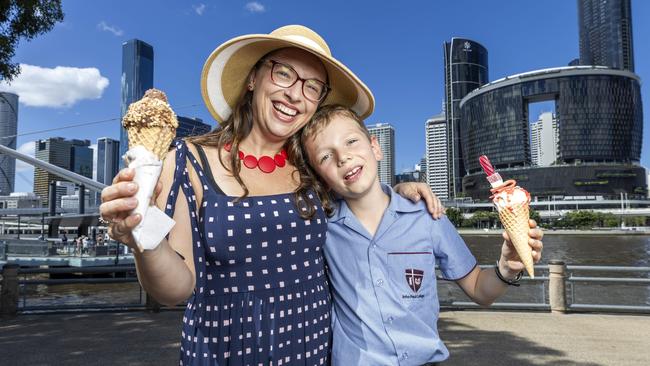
(225, 71)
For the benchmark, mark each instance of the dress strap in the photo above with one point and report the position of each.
(181, 179)
(208, 170)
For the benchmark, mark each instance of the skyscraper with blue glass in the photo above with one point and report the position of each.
(108, 161)
(606, 33)
(466, 69)
(137, 78)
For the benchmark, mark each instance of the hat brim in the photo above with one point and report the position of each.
(225, 71)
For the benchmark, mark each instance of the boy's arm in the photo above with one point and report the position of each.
(483, 286)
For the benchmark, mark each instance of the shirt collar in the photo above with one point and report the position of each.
(398, 204)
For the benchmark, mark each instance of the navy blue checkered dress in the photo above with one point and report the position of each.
(261, 295)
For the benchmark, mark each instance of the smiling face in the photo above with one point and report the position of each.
(344, 157)
(280, 112)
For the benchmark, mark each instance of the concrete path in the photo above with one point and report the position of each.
(473, 338)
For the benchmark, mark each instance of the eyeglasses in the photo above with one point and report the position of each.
(285, 76)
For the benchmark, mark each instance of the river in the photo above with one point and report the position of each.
(624, 250)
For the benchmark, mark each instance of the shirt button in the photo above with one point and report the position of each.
(380, 282)
(390, 319)
(374, 245)
(405, 355)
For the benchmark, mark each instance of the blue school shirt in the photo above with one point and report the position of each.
(384, 287)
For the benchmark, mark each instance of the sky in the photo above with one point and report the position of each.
(71, 75)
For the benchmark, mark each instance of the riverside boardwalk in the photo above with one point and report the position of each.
(473, 337)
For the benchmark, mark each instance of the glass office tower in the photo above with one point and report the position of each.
(605, 28)
(466, 68)
(8, 128)
(137, 78)
(108, 161)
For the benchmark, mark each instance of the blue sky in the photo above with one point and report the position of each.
(395, 47)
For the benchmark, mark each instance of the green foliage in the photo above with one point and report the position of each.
(588, 219)
(482, 219)
(23, 19)
(534, 215)
(455, 216)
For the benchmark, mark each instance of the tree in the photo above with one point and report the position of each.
(23, 19)
(455, 216)
(534, 215)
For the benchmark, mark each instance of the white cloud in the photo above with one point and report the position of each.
(58, 87)
(255, 7)
(110, 28)
(27, 148)
(199, 9)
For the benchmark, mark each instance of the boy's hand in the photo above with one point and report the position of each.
(509, 263)
(416, 191)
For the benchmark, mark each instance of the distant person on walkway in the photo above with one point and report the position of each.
(64, 241)
(382, 251)
(247, 245)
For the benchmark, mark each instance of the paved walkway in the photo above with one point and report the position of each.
(473, 337)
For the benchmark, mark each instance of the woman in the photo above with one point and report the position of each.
(249, 228)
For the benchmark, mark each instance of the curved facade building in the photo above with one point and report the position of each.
(8, 127)
(600, 122)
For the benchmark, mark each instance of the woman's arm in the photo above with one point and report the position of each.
(416, 191)
(483, 286)
(161, 271)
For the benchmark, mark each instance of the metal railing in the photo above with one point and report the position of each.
(565, 283)
(557, 285)
(573, 280)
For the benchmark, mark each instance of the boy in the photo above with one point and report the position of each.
(381, 251)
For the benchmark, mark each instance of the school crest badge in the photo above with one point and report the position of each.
(414, 278)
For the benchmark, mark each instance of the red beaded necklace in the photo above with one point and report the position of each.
(266, 163)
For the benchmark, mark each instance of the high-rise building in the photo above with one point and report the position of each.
(108, 161)
(437, 155)
(191, 127)
(466, 68)
(605, 28)
(81, 158)
(73, 155)
(8, 129)
(544, 140)
(55, 150)
(137, 78)
(385, 134)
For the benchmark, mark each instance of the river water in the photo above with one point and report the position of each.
(624, 250)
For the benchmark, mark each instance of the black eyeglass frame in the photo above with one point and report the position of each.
(326, 87)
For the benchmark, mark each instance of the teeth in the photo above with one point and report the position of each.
(352, 172)
(284, 109)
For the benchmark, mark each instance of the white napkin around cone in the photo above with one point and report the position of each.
(155, 224)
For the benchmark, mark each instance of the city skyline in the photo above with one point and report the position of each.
(406, 97)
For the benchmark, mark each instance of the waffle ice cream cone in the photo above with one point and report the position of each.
(150, 122)
(512, 203)
(151, 127)
(515, 221)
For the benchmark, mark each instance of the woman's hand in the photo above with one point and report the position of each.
(118, 201)
(416, 191)
(510, 264)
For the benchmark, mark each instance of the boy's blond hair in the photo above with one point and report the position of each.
(321, 119)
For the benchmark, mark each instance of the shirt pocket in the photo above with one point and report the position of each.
(411, 277)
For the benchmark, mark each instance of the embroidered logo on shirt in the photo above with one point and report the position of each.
(414, 278)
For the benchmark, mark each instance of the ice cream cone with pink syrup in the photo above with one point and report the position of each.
(151, 126)
(512, 203)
